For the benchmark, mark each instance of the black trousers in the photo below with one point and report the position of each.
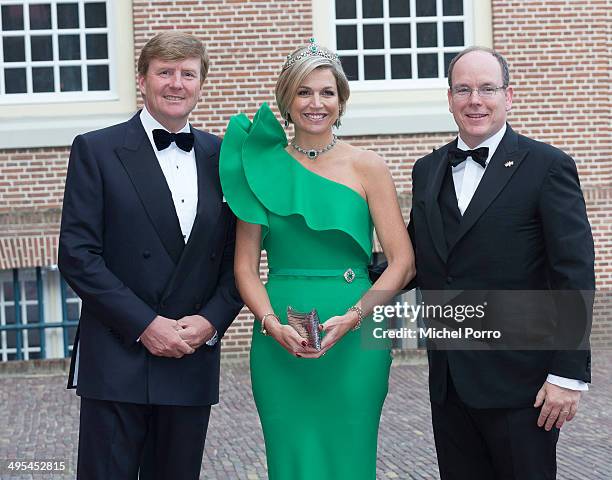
(491, 444)
(113, 435)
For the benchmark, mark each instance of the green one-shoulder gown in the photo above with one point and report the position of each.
(320, 417)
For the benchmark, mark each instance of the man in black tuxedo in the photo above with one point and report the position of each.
(494, 210)
(147, 242)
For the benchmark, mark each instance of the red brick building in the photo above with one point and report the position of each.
(68, 66)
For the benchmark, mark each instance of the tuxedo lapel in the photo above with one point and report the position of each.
(432, 206)
(208, 210)
(140, 163)
(506, 160)
(209, 191)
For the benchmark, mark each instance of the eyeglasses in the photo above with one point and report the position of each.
(483, 92)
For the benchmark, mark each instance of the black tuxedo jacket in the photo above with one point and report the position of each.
(122, 251)
(526, 228)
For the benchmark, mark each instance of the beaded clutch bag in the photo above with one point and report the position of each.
(306, 325)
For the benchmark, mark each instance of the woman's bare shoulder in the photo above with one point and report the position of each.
(366, 162)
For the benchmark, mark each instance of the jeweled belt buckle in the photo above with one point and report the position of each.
(349, 275)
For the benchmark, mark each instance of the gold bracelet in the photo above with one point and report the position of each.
(359, 311)
(263, 322)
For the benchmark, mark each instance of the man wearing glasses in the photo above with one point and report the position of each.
(494, 210)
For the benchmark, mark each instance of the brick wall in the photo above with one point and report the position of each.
(31, 189)
(558, 52)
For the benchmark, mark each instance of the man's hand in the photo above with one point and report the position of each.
(162, 339)
(195, 330)
(559, 405)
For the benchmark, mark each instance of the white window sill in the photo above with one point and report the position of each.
(398, 120)
(39, 132)
(393, 113)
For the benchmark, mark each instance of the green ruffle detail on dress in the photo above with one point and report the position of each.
(259, 175)
(236, 190)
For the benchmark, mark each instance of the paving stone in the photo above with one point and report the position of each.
(40, 421)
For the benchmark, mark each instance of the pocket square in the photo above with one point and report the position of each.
(223, 200)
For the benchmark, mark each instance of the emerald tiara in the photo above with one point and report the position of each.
(313, 50)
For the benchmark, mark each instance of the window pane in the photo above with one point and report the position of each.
(373, 36)
(14, 49)
(42, 79)
(69, 291)
(428, 65)
(12, 17)
(346, 37)
(374, 67)
(70, 79)
(399, 8)
(41, 48)
(30, 291)
(346, 9)
(448, 57)
(9, 315)
(400, 35)
(349, 64)
(40, 17)
(452, 7)
(71, 335)
(453, 34)
(68, 15)
(8, 291)
(401, 66)
(32, 315)
(34, 355)
(372, 8)
(425, 8)
(69, 47)
(96, 45)
(427, 35)
(72, 312)
(97, 77)
(95, 15)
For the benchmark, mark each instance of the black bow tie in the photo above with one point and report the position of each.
(163, 139)
(479, 155)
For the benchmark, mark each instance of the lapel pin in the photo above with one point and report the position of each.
(509, 164)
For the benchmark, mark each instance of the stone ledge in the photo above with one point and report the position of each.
(52, 366)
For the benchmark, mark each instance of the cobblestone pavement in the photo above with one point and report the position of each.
(40, 421)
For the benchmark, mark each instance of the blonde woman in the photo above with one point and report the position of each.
(311, 204)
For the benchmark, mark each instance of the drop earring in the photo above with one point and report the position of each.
(338, 122)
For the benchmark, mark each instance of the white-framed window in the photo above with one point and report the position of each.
(396, 54)
(20, 305)
(66, 67)
(39, 314)
(398, 44)
(55, 51)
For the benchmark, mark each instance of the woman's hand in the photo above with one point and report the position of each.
(335, 328)
(290, 340)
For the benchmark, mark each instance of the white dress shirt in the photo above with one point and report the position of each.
(466, 177)
(179, 168)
